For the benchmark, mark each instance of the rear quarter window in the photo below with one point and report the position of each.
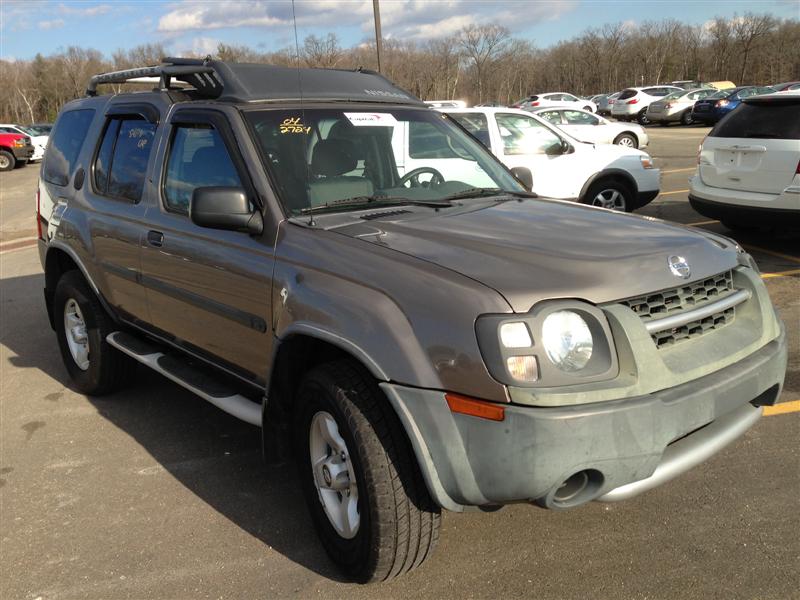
(65, 144)
(761, 121)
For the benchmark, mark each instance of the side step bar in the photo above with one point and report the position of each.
(193, 379)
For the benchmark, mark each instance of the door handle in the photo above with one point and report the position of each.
(155, 238)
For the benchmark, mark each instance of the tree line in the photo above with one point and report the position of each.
(480, 63)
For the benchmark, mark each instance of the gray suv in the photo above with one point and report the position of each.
(419, 337)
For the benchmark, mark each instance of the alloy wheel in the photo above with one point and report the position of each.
(609, 198)
(75, 332)
(334, 476)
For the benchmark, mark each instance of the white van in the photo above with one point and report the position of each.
(748, 169)
(563, 167)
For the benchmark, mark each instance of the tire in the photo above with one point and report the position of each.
(611, 194)
(103, 369)
(629, 140)
(396, 523)
(686, 118)
(7, 160)
(641, 118)
(588, 109)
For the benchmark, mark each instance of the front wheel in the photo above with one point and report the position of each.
(366, 495)
(96, 367)
(610, 194)
(627, 139)
(7, 160)
(642, 117)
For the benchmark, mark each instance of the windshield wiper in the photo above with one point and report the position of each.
(361, 201)
(478, 192)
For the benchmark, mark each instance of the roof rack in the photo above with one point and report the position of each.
(193, 71)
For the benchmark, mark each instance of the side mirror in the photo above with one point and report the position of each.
(224, 208)
(524, 176)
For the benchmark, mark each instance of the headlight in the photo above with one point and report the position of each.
(556, 343)
(647, 162)
(567, 340)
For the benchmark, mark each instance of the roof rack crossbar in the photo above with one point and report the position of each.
(194, 72)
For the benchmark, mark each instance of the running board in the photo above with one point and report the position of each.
(176, 368)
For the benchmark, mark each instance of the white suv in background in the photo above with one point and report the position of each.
(632, 103)
(606, 175)
(748, 169)
(555, 99)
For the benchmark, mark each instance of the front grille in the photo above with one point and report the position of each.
(690, 296)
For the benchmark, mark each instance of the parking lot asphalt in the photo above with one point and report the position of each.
(153, 493)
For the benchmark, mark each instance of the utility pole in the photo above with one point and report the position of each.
(377, 10)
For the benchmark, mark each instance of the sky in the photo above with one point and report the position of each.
(31, 26)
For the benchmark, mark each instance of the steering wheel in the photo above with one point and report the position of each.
(413, 177)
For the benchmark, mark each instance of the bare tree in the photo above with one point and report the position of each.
(322, 52)
(749, 31)
(482, 44)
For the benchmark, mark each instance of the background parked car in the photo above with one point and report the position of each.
(677, 107)
(604, 175)
(588, 127)
(632, 103)
(606, 102)
(748, 170)
(721, 85)
(787, 86)
(716, 106)
(41, 128)
(39, 141)
(554, 99)
(16, 150)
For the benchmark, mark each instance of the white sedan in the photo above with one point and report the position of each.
(554, 99)
(589, 127)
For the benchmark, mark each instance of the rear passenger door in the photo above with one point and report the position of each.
(114, 190)
(208, 290)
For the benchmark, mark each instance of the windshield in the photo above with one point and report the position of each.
(676, 95)
(328, 157)
(27, 130)
(720, 94)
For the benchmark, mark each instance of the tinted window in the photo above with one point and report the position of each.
(476, 124)
(577, 117)
(121, 164)
(764, 121)
(65, 144)
(525, 135)
(627, 94)
(198, 158)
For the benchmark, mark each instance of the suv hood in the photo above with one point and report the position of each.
(531, 250)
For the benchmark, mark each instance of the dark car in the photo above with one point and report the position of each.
(417, 337)
(711, 109)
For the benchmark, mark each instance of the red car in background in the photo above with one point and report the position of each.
(15, 150)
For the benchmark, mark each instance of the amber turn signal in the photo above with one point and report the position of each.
(475, 408)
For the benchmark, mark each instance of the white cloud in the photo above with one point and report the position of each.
(401, 19)
(53, 24)
(89, 11)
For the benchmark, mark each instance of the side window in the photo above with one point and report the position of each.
(553, 116)
(476, 124)
(569, 98)
(65, 144)
(121, 164)
(577, 117)
(525, 135)
(197, 158)
(426, 141)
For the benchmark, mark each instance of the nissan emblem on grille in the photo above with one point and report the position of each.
(679, 267)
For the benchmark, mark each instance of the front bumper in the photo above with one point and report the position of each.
(23, 152)
(467, 461)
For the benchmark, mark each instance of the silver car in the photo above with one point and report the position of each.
(677, 106)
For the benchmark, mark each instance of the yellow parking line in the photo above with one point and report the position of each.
(678, 171)
(773, 253)
(782, 408)
(780, 274)
(701, 223)
(675, 192)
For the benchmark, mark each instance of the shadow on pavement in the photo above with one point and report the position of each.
(214, 455)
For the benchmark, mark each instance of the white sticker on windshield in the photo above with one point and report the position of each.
(371, 119)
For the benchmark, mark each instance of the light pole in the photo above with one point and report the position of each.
(377, 10)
